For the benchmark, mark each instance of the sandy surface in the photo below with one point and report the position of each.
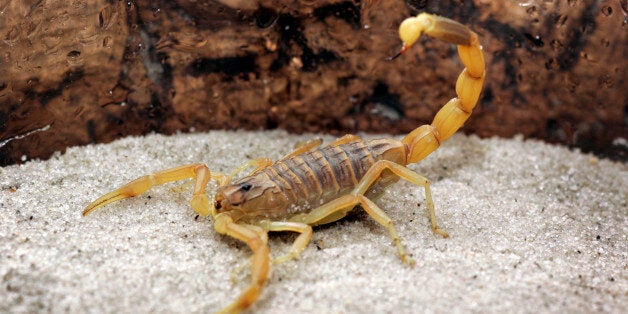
(533, 228)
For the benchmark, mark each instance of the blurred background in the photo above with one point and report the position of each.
(80, 72)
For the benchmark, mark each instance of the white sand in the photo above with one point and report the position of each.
(533, 228)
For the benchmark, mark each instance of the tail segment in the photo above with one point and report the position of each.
(427, 138)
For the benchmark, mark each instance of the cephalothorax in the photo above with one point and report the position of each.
(316, 185)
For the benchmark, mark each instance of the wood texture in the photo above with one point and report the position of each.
(73, 73)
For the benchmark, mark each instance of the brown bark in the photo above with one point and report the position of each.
(80, 72)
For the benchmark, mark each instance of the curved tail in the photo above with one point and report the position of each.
(425, 139)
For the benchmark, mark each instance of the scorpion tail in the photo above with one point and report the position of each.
(427, 138)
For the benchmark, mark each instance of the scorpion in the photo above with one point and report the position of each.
(314, 184)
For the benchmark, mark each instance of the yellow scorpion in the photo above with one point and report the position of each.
(316, 185)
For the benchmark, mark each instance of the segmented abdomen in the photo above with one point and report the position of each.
(322, 174)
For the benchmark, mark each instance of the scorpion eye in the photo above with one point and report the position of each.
(246, 187)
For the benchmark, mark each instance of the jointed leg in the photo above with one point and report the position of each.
(346, 203)
(375, 172)
(299, 244)
(257, 240)
(338, 207)
(344, 139)
(199, 201)
(297, 247)
(335, 216)
(259, 164)
(303, 147)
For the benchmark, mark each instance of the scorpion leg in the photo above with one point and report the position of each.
(258, 163)
(199, 202)
(256, 238)
(302, 147)
(339, 206)
(335, 216)
(299, 244)
(346, 203)
(375, 172)
(344, 139)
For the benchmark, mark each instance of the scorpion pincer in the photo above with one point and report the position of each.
(315, 185)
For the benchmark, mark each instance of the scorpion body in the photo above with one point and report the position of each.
(302, 182)
(315, 185)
